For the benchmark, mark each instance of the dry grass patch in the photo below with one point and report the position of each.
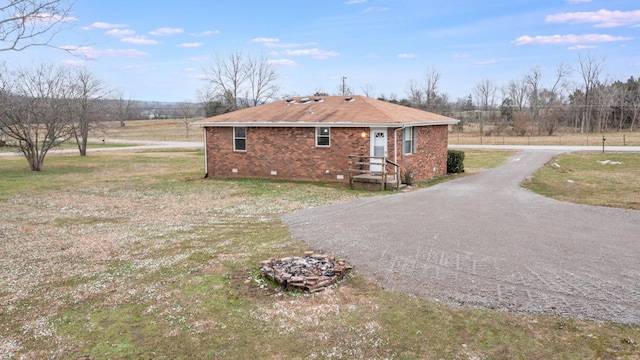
(471, 136)
(609, 179)
(133, 255)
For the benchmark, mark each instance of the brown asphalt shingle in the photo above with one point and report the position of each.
(329, 110)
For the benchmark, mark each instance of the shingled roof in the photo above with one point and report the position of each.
(333, 111)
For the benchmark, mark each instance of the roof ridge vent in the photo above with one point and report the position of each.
(305, 100)
(318, 100)
(349, 99)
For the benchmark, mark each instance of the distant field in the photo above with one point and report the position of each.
(160, 130)
(174, 130)
(573, 139)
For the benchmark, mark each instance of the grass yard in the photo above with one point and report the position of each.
(609, 179)
(133, 255)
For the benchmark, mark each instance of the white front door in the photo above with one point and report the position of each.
(378, 148)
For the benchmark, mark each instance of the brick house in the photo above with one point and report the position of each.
(312, 139)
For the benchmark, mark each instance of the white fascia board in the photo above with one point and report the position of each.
(335, 124)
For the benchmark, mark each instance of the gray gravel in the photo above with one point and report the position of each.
(484, 241)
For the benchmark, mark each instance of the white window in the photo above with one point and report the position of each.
(407, 140)
(322, 136)
(239, 139)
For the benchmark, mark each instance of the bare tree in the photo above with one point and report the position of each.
(425, 95)
(431, 81)
(415, 94)
(33, 104)
(25, 23)
(533, 80)
(262, 80)
(517, 91)
(367, 90)
(541, 99)
(485, 94)
(210, 103)
(605, 97)
(590, 69)
(123, 107)
(86, 105)
(187, 112)
(633, 99)
(242, 80)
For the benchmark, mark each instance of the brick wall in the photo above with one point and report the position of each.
(291, 153)
(430, 158)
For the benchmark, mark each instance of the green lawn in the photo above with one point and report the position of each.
(609, 179)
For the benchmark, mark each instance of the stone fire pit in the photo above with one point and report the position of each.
(313, 272)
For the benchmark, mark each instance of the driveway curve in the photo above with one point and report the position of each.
(484, 241)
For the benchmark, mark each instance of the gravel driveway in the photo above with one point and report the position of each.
(484, 241)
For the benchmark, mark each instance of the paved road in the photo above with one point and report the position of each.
(134, 145)
(484, 241)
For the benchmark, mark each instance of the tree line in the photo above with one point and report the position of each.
(537, 103)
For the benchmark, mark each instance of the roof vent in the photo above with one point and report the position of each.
(349, 99)
(289, 101)
(318, 100)
(305, 100)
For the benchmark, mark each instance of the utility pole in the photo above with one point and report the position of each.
(343, 79)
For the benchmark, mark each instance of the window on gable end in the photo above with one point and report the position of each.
(240, 138)
(323, 136)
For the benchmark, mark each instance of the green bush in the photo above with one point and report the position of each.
(455, 161)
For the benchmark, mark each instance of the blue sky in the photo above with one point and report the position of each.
(157, 50)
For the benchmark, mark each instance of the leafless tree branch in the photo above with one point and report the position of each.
(26, 23)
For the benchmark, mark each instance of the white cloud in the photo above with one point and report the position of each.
(120, 32)
(47, 18)
(74, 62)
(90, 53)
(138, 67)
(275, 43)
(282, 62)
(375, 9)
(461, 56)
(486, 62)
(264, 40)
(407, 56)
(568, 39)
(206, 33)
(104, 25)
(582, 47)
(578, 1)
(314, 53)
(352, 2)
(601, 18)
(164, 31)
(190, 45)
(140, 40)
